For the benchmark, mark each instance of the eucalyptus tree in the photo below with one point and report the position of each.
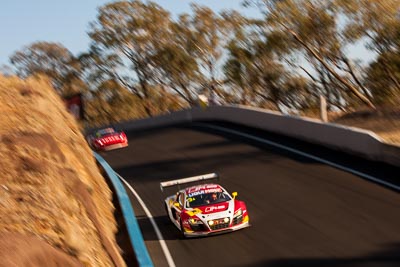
(132, 32)
(239, 68)
(298, 94)
(208, 36)
(111, 103)
(254, 67)
(271, 74)
(176, 62)
(107, 100)
(190, 62)
(377, 22)
(310, 28)
(50, 59)
(240, 72)
(382, 79)
(98, 67)
(263, 79)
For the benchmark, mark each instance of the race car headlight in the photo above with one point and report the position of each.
(218, 221)
(195, 221)
(238, 213)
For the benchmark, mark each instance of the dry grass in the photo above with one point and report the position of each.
(385, 122)
(50, 187)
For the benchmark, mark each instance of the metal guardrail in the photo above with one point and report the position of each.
(135, 235)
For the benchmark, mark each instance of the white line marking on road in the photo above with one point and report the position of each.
(163, 245)
(366, 176)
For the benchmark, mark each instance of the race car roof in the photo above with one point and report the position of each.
(105, 131)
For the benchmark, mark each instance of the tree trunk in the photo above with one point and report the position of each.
(346, 83)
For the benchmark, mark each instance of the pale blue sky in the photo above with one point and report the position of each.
(26, 21)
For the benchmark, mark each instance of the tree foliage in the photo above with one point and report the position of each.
(312, 29)
(52, 60)
(132, 31)
(378, 22)
(143, 62)
(383, 76)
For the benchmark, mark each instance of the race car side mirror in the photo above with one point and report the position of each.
(234, 194)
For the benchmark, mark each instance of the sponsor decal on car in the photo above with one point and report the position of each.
(202, 187)
(110, 139)
(214, 190)
(215, 208)
(193, 212)
(193, 194)
(204, 191)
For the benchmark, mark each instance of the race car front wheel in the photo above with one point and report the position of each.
(182, 230)
(166, 210)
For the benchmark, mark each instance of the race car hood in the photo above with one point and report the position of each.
(218, 207)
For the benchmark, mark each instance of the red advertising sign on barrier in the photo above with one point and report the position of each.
(74, 105)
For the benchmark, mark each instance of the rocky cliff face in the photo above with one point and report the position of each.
(54, 204)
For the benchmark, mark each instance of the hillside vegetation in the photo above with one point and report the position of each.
(55, 206)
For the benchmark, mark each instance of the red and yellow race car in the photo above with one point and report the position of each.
(204, 209)
(107, 139)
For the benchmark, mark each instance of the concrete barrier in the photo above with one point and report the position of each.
(159, 121)
(390, 154)
(347, 139)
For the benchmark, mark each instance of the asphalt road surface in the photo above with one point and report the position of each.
(302, 212)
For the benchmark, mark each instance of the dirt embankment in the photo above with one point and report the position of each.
(55, 207)
(385, 122)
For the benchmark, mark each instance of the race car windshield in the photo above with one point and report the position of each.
(105, 131)
(207, 199)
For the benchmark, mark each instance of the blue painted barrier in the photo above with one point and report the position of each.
(135, 235)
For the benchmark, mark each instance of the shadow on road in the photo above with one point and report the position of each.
(389, 256)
